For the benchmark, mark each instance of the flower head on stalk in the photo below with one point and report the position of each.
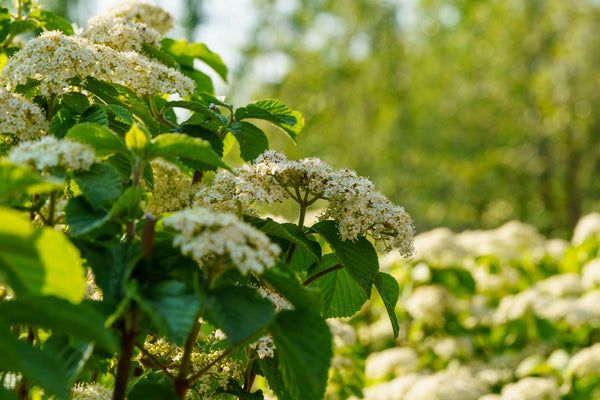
(121, 34)
(352, 200)
(221, 241)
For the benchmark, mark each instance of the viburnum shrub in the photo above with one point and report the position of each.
(134, 262)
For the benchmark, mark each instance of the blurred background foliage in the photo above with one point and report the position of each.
(469, 113)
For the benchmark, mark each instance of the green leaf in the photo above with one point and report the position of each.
(268, 367)
(71, 354)
(15, 179)
(121, 112)
(159, 55)
(389, 290)
(75, 101)
(341, 296)
(95, 114)
(100, 138)
(82, 217)
(240, 311)
(275, 112)
(101, 183)
(153, 386)
(21, 26)
(203, 81)
(290, 232)
(37, 366)
(178, 145)
(304, 348)
(127, 206)
(200, 108)
(253, 141)
(358, 257)
(457, 280)
(52, 22)
(112, 93)
(4, 23)
(78, 320)
(287, 285)
(173, 307)
(61, 122)
(138, 140)
(185, 54)
(200, 132)
(7, 395)
(39, 261)
(233, 388)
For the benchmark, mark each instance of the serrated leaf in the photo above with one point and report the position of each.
(78, 320)
(174, 308)
(207, 98)
(144, 389)
(100, 138)
(52, 22)
(253, 141)
(75, 101)
(389, 290)
(358, 257)
(82, 217)
(15, 179)
(61, 122)
(239, 311)
(138, 140)
(127, 206)
(39, 261)
(159, 55)
(22, 25)
(268, 367)
(178, 145)
(233, 388)
(100, 183)
(112, 93)
(287, 285)
(121, 112)
(275, 112)
(290, 232)
(185, 54)
(37, 366)
(70, 353)
(203, 81)
(304, 349)
(340, 295)
(95, 114)
(200, 132)
(201, 109)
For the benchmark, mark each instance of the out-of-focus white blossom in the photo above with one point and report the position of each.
(54, 58)
(343, 334)
(585, 362)
(447, 385)
(558, 359)
(20, 117)
(587, 227)
(395, 361)
(531, 388)
(590, 274)
(352, 200)
(49, 152)
(91, 391)
(120, 34)
(172, 189)
(556, 248)
(152, 15)
(395, 389)
(439, 247)
(429, 303)
(202, 233)
(561, 285)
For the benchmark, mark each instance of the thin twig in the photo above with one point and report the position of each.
(322, 273)
(155, 361)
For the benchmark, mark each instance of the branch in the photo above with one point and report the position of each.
(322, 273)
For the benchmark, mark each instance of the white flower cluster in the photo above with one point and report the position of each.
(395, 361)
(531, 388)
(429, 303)
(121, 34)
(279, 302)
(265, 347)
(172, 189)
(20, 117)
(202, 233)
(343, 334)
(352, 200)
(153, 16)
(91, 391)
(51, 152)
(587, 227)
(54, 59)
(585, 362)
(92, 291)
